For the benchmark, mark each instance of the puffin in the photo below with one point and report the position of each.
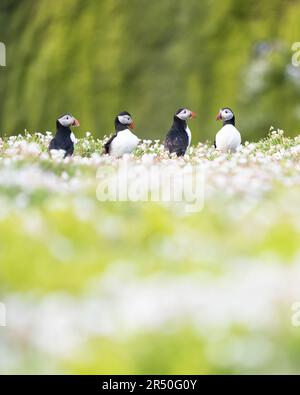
(179, 137)
(64, 139)
(123, 141)
(228, 139)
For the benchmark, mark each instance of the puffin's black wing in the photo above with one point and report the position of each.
(177, 141)
(108, 143)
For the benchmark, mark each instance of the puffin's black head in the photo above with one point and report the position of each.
(67, 121)
(124, 121)
(226, 115)
(184, 114)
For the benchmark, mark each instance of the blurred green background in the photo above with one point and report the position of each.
(125, 287)
(94, 58)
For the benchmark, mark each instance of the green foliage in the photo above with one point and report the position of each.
(95, 58)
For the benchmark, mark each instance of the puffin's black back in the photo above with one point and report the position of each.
(177, 139)
(62, 140)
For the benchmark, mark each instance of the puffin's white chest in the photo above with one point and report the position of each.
(187, 129)
(228, 139)
(124, 143)
(73, 138)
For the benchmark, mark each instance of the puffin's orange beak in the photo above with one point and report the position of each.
(193, 114)
(132, 125)
(219, 116)
(76, 122)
